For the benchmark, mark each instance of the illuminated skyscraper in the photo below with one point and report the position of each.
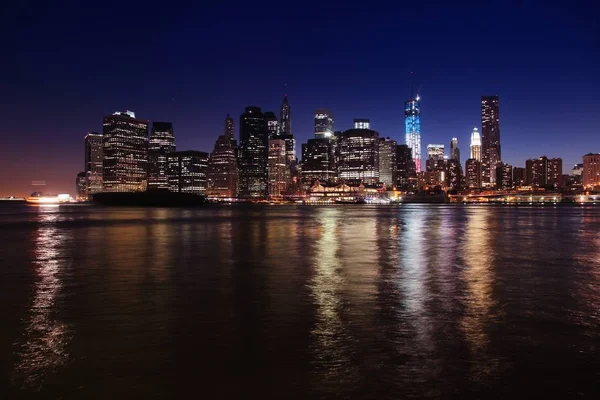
(323, 124)
(412, 124)
(277, 168)
(387, 162)
(125, 153)
(454, 150)
(435, 158)
(93, 163)
(591, 170)
(454, 174)
(473, 174)
(475, 145)
(222, 172)
(187, 171)
(504, 175)
(318, 160)
(160, 144)
(81, 186)
(490, 139)
(358, 154)
(253, 153)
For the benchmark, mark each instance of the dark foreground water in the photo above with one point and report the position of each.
(421, 301)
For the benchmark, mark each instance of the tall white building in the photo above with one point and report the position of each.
(475, 145)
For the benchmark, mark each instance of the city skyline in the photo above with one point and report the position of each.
(526, 74)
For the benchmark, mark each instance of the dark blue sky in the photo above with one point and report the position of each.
(65, 67)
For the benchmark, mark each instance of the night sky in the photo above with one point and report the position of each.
(65, 67)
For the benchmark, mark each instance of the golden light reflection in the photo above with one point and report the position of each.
(326, 288)
(478, 254)
(43, 347)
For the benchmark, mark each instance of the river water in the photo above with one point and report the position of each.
(404, 301)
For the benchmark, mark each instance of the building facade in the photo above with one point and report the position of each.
(405, 167)
(272, 124)
(544, 172)
(161, 143)
(412, 127)
(519, 177)
(473, 174)
(454, 150)
(93, 163)
(222, 171)
(187, 171)
(454, 175)
(125, 153)
(253, 154)
(324, 124)
(591, 171)
(318, 160)
(279, 173)
(435, 158)
(475, 145)
(490, 138)
(387, 162)
(285, 117)
(358, 155)
(504, 176)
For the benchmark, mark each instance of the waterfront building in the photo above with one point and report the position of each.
(125, 153)
(591, 171)
(278, 172)
(222, 171)
(435, 158)
(412, 125)
(475, 145)
(519, 177)
(473, 174)
(253, 153)
(454, 150)
(81, 186)
(187, 171)
(93, 163)
(161, 143)
(387, 162)
(318, 160)
(490, 139)
(358, 154)
(504, 176)
(543, 172)
(324, 124)
(405, 167)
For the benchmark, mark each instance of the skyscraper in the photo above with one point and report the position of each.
(504, 175)
(435, 158)
(412, 124)
(323, 123)
(454, 174)
(272, 124)
(160, 144)
(253, 153)
(454, 150)
(285, 118)
(405, 166)
(93, 163)
(490, 132)
(473, 174)
(591, 170)
(545, 172)
(318, 160)
(277, 168)
(125, 153)
(475, 145)
(222, 172)
(187, 171)
(358, 154)
(387, 162)
(555, 175)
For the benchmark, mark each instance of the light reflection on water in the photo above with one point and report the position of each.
(43, 349)
(306, 302)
